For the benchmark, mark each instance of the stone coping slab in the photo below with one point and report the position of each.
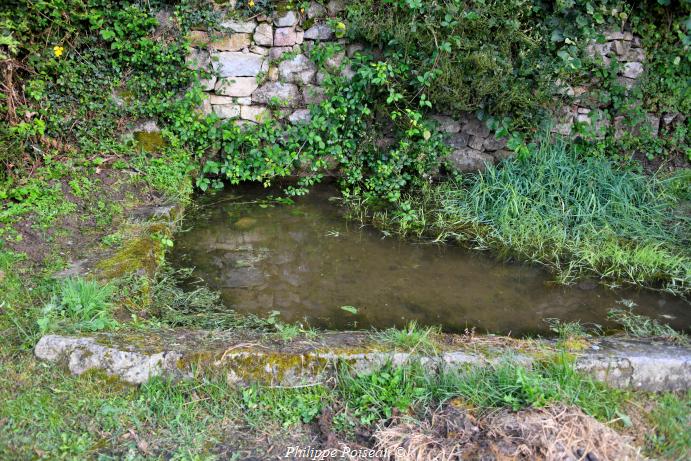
(246, 357)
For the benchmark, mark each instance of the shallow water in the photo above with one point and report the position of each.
(306, 261)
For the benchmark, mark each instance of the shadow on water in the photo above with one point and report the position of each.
(306, 261)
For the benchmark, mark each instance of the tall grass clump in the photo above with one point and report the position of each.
(80, 305)
(579, 216)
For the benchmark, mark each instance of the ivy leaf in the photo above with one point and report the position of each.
(107, 34)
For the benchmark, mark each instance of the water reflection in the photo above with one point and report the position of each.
(305, 261)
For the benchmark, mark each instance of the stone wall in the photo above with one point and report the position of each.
(625, 48)
(257, 69)
(258, 64)
(248, 73)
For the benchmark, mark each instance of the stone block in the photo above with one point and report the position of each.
(277, 51)
(600, 50)
(208, 83)
(446, 124)
(614, 35)
(457, 140)
(335, 6)
(283, 94)
(273, 74)
(226, 111)
(235, 64)
(502, 154)
(285, 36)
(198, 60)
(316, 10)
(215, 99)
(198, 38)
(234, 42)
(313, 94)
(300, 116)
(287, 19)
(334, 62)
(632, 70)
(256, 114)
(245, 27)
(476, 142)
(297, 70)
(264, 35)
(634, 54)
(260, 50)
(205, 107)
(468, 160)
(492, 143)
(476, 127)
(319, 31)
(348, 73)
(236, 86)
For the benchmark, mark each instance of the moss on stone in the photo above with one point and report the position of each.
(143, 253)
(139, 254)
(149, 141)
(113, 382)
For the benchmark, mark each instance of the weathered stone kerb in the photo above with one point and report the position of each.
(622, 363)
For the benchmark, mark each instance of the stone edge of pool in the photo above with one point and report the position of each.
(244, 358)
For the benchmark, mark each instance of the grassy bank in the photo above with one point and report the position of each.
(48, 414)
(577, 216)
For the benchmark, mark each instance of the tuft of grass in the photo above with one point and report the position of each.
(578, 216)
(573, 335)
(79, 304)
(642, 326)
(411, 337)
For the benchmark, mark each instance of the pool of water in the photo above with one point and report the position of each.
(307, 262)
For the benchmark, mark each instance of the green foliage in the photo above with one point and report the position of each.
(577, 216)
(506, 60)
(375, 396)
(339, 132)
(666, 34)
(511, 384)
(570, 333)
(671, 419)
(82, 305)
(265, 405)
(457, 56)
(412, 337)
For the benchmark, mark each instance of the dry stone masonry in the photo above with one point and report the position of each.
(257, 69)
(258, 64)
(247, 71)
(626, 50)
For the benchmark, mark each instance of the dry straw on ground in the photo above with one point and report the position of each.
(557, 433)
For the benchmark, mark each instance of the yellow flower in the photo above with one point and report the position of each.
(251, 3)
(57, 51)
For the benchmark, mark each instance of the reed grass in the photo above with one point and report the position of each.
(578, 216)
